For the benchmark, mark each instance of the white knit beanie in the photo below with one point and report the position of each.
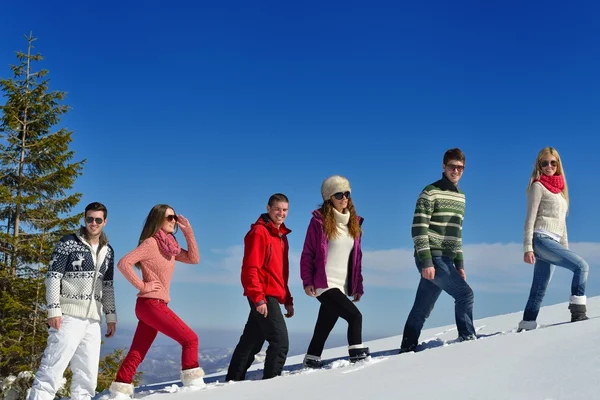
(334, 184)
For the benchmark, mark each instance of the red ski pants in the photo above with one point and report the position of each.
(155, 316)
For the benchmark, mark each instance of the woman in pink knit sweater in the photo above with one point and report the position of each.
(155, 256)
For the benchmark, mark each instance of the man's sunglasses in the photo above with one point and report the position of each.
(545, 163)
(172, 217)
(89, 220)
(340, 195)
(454, 167)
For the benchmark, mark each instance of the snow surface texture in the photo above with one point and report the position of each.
(560, 360)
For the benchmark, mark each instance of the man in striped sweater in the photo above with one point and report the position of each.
(437, 237)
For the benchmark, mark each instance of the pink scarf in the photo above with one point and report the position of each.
(554, 183)
(167, 243)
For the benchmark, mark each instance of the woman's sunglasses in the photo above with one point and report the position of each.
(89, 220)
(340, 195)
(172, 217)
(545, 163)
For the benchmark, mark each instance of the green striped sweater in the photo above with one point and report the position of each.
(437, 223)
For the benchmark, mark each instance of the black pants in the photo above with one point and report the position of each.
(335, 304)
(258, 329)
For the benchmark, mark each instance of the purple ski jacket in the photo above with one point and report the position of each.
(314, 257)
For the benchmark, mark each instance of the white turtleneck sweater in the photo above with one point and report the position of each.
(338, 254)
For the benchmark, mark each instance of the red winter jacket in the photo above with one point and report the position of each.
(266, 268)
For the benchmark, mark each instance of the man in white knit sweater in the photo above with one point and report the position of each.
(79, 287)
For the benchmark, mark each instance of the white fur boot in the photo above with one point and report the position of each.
(527, 326)
(121, 390)
(193, 377)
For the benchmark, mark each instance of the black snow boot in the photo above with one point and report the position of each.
(358, 353)
(578, 312)
(409, 343)
(313, 362)
(467, 338)
(407, 348)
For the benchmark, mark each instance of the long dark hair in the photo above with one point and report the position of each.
(153, 222)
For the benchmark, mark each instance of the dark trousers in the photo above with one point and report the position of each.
(258, 329)
(446, 279)
(335, 304)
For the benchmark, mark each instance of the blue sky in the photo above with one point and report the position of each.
(213, 106)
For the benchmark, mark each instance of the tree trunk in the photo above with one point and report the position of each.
(17, 221)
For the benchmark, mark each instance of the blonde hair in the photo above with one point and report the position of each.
(329, 227)
(537, 169)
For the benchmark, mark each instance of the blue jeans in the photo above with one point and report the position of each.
(449, 280)
(549, 253)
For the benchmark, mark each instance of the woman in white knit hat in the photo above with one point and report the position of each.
(331, 269)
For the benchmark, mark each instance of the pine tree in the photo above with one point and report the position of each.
(37, 175)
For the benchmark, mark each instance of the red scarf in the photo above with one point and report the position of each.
(554, 183)
(167, 243)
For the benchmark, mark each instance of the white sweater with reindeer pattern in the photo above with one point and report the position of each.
(79, 281)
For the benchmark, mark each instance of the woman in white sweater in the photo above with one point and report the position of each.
(545, 241)
(331, 269)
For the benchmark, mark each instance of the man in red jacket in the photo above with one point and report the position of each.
(265, 272)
